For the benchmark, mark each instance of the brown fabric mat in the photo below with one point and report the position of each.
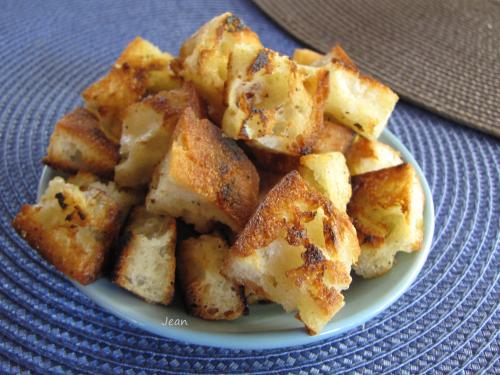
(441, 54)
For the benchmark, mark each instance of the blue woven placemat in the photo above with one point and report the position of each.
(448, 321)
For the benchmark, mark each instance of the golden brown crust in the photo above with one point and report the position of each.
(365, 155)
(95, 153)
(195, 304)
(337, 53)
(360, 149)
(203, 58)
(58, 242)
(141, 69)
(385, 188)
(207, 294)
(212, 165)
(281, 113)
(148, 127)
(295, 220)
(280, 212)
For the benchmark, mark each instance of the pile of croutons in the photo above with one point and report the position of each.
(232, 171)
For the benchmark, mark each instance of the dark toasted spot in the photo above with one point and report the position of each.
(231, 146)
(60, 199)
(260, 61)
(312, 255)
(223, 169)
(305, 150)
(68, 217)
(358, 126)
(295, 236)
(80, 213)
(260, 112)
(225, 192)
(125, 67)
(235, 24)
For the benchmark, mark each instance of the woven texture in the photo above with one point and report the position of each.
(446, 322)
(443, 55)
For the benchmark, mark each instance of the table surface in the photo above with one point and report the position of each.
(448, 320)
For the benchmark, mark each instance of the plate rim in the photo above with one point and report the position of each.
(296, 337)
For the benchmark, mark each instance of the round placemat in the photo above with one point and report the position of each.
(448, 320)
(443, 55)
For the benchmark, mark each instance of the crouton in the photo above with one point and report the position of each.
(328, 174)
(146, 265)
(141, 69)
(77, 144)
(208, 294)
(354, 99)
(296, 250)
(70, 228)
(273, 103)
(331, 137)
(204, 178)
(147, 130)
(365, 155)
(124, 198)
(203, 58)
(387, 210)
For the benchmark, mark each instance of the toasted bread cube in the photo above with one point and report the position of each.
(328, 174)
(354, 99)
(273, 103)
(360, 102)
(296, 250)
(203, 58)
(331, 137)
(77, 144)
(366, 155)
(204, 178)
(208, 294)
(147, 130)
(141, 69)
(124, 198)
(70, 228)
(146, 265)
(387, 210)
